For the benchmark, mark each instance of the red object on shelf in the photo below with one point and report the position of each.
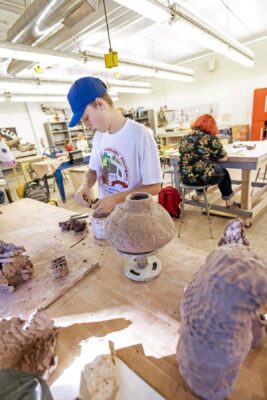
(259, 115)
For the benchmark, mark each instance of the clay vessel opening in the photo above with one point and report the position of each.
(139, 196)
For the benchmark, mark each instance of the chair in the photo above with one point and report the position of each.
(170, 171)
(184, 188)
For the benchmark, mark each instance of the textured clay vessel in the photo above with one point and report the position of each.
(98, 223)
(139, 225)
(218, 315)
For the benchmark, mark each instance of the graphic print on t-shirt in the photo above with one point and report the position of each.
(114, 172)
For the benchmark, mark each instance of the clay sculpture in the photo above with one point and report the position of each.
(217, 313)
(15, 267)
(139, 225)
(76, 225)
(59, 267)
(234, 232)
(28, 345)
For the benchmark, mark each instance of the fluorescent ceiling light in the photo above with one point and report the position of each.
(121, 82)
(191, 25)
(36, 99)
(34, 54)
(39, 99)
(120, 89)
(150, 9)
(196, 35)
(239, 57)
(173, 77)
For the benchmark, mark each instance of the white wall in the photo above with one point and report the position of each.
(231, 85)
(28, 119)
(16, 115)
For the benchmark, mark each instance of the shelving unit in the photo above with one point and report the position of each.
(58, 132)
(142, 117)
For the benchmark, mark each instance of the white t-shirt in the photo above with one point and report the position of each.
(125, 160)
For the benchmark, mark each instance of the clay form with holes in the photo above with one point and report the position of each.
(139, 225)
(217, 313)
(59, 267)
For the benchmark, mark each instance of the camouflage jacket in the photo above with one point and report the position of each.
(199, 151)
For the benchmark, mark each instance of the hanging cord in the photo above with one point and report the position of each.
(110, 48)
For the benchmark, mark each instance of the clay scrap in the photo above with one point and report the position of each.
(76, 225)
(234, 232)
(59, 267)
(218, 319)
(15, 267)
(99, 380)
(28, 345)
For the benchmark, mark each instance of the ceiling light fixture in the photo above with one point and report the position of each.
(132, 65)
(187, 22)
(148, 8)
(34, 54)
(23, 98)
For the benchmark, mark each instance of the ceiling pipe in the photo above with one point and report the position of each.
(41, 18)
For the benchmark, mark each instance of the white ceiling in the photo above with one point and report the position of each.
(135, 35)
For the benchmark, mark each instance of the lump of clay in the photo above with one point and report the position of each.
(28, 345)
(15, 267)
(77, 225)
(217, 319)
(139, 225)
(234, 232)
(59, 267)
(99, 380)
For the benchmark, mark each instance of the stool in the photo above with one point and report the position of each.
(259, 175)
(184, 188)
(169, 171)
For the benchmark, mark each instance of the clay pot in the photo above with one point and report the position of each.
(139, 225)
(98, 222)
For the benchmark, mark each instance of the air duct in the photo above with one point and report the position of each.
(41, 18)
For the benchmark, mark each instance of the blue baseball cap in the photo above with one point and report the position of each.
(83, 92)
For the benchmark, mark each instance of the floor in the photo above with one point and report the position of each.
(195, 230)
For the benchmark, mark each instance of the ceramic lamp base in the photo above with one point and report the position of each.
(137, 272)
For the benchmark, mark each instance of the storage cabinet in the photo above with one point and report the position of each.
(259, 115)
(58, 132)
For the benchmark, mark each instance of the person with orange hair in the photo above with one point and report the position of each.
(200, 154)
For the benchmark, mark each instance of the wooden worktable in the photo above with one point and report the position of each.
(142, 319)
(246, 161)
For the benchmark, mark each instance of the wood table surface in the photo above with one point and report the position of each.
(142, 319)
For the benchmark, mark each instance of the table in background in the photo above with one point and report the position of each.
(58, 174)
(247, 161)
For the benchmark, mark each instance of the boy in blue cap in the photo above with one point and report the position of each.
(124, 157)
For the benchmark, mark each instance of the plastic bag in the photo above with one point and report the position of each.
(17, 385)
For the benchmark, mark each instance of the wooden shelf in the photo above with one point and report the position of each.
(60, 131)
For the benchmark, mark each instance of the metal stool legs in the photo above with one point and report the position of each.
(208, 212)
(182, 211)
(206, 207)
